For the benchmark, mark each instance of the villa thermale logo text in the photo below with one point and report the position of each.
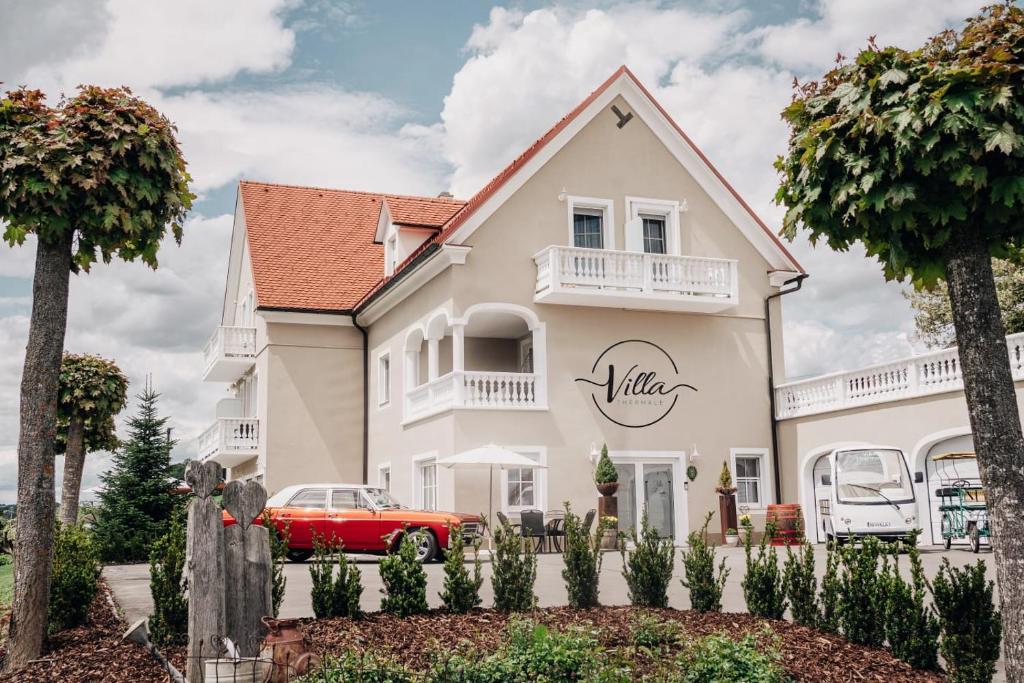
(635, 383)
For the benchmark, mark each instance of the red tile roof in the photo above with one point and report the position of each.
(312, 248)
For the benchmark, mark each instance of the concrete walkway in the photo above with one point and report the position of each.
(130, 583)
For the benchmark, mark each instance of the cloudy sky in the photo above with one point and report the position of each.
(420, 97)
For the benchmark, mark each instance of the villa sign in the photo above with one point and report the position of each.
(635, 383)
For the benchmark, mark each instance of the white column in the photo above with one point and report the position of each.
(459, 362)
(540, 364)
(431, 359)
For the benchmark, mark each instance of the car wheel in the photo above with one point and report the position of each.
(425, 543)
(299, 555)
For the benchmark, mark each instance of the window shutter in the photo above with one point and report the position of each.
(635, 235)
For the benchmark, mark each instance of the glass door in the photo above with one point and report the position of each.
(659, 496)
(627, 497)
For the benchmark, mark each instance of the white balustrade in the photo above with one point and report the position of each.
(230, 436)
(473, 389)
(929, 373)
(564, 270)
(228, 351)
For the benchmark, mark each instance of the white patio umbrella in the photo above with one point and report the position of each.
(489, 456)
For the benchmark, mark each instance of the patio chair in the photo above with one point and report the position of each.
(588, 520)
(556, 532)
(503, 520)
(532, 526)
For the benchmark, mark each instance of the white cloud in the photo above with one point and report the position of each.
(154, 44)
(842, 26)
(309, 134)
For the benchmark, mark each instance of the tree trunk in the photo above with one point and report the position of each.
(995, 422)
(33, 554)
(74, 463)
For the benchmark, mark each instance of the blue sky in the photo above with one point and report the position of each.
(421, 97)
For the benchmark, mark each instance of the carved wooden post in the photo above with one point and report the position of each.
(247, 567)
(204, 566)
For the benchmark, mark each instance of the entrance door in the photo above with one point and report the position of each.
(660, 498)
(822, 495)
(652, 483)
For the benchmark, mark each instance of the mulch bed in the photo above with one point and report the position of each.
(808, 655)
(92, 653)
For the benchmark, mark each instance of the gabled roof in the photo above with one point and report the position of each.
(312, 248)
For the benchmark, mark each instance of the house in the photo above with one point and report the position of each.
(607, 287)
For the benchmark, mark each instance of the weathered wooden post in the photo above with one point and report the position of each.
(248, 567)
(204, 567)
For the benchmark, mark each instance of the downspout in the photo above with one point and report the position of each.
(798, 281)
(366, 397)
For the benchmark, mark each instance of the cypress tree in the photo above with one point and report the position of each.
(136, 500)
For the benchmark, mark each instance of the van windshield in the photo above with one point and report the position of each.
(873, 476)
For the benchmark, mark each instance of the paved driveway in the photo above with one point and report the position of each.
(130, 583)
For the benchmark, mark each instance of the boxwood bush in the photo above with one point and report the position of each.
(75, 578)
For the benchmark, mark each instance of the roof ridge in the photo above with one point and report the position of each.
(393, 195)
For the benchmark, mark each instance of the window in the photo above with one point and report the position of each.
(654, 235)
(384, 379)
(384, 477)
(588, 228)
(526, 354)
(428, 485)
(346, 499)
(748, 467)
(524, 488)
(315, 499)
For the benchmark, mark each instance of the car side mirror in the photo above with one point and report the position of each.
(918, 477)
(826, 480)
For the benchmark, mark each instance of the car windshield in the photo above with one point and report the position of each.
(381, 499)
(873, 476)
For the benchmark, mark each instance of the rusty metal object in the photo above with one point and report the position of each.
(285, 646)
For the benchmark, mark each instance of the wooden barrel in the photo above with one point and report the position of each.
(788, 523)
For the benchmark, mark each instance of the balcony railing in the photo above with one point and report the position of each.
(229, 353)
(475, 390)
(930, 373)
(230, 440)
(627, 279)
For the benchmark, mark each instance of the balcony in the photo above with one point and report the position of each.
(229, 353)
(230, 441)
(628, 279)
(474, 390)
(930, 373)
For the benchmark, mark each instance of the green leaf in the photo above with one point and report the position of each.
(1004, 138)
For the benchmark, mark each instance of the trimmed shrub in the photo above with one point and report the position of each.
(862, 592)
(721, 659)
(605, 473)
(461, 591)
(405, 582)
(971, 626)
(74, 581)
(514, 570)
(169, 623)
(279, 539)
(801, 586)
(911, 627)
(648, 567)
(762, 582)
(699, 572)
(334, 593)
(582, 558)
(828, 597)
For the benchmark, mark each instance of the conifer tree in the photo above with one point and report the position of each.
(136, 501)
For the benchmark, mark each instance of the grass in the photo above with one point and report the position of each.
(6, 586)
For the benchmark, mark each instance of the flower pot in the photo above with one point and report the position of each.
(608, 488)
(732, 541)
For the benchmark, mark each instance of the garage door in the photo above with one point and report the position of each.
(945, 472)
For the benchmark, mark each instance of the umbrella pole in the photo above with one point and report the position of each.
(490, 504)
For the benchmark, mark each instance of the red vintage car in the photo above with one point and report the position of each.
(366, 519)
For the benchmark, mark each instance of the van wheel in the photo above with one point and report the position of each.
(299, 555)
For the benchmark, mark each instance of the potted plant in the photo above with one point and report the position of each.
(605, 476)
(732, 538)
(748, 527)
(726, 500)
